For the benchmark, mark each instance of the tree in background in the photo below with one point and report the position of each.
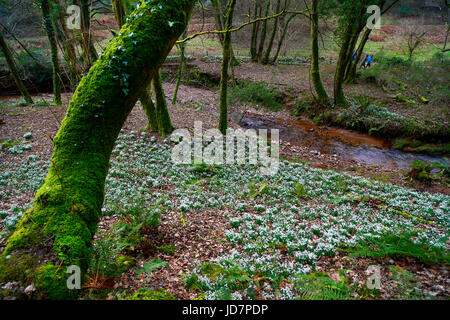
(258, 50)
(414, 34)
(223, 104)
(89, 52)
(57, 231)
(49, 28)
(266, 57)
(182, 50)
(220, 7)
(162, 113)
(65, 39)
(322, 95)
(352, 18)
(350, 71)
(12, 67)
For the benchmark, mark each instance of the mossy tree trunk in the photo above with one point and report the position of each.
(150, 111)
(351, 72)
(322, 95)
(13, 69)
(48, 24)
(339, 97)
(223, 103)
(351, 49)
(162, 113)
(57, 231)
(352, 25)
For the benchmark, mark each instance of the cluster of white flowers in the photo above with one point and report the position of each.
(279, 234)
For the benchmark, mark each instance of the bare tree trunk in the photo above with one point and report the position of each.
(57, 231)
(66, 42)
(283, 36)
(262, 40)
(88, 47)
(266, 57)
(218, 16)
(223, 104)
(255, 32)
(182, 48)
(12, 67)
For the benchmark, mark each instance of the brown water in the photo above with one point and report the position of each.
(345, 144)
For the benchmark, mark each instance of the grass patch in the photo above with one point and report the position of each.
(257, 93)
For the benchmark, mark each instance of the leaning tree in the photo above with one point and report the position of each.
(57, 231)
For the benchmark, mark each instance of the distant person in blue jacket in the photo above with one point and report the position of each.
(363, 63)
(369, 61)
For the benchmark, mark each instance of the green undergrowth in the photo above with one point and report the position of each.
(320, 286)
(429, 172)
(194, 76)
(414, 145)
(399, 245)
(110, 254)
(144, 294)
(258, 94)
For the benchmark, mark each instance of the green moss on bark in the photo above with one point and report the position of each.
(165, 126)
(150, 111)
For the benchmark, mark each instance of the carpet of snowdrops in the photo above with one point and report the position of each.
(279, 225)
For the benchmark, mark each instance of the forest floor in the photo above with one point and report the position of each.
(230, 232)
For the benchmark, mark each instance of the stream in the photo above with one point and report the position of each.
(345, 144)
